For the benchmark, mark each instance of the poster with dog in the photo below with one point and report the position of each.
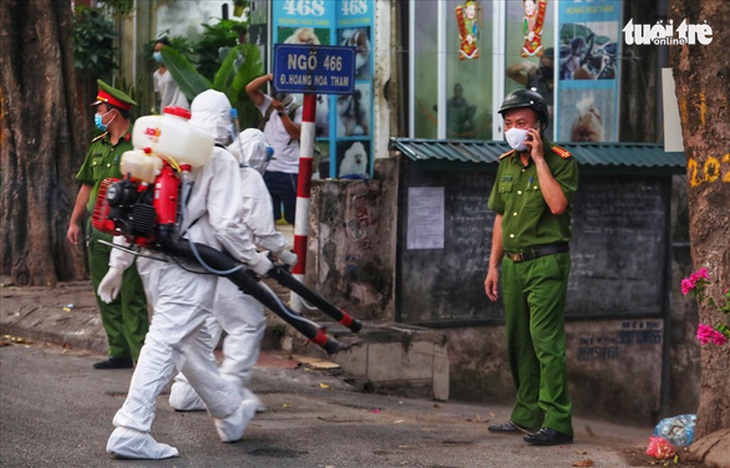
(353, 159)
(353, 112)
(590, 116)
(588, 77)
(360, 39)
(343, 124)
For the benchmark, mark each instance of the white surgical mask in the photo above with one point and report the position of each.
(516, 138)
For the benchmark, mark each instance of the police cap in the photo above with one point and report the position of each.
(112, 96)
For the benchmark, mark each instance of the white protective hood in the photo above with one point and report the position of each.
(211, 111)
(251, 149)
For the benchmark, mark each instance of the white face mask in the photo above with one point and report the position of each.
(516, 138)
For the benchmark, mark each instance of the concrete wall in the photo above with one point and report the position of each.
(352, 243)
(614, 367)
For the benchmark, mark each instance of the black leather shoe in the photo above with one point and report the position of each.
(547, 436)
(115, 363)
(509, 428)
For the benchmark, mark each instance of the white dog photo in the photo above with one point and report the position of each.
(355, 161)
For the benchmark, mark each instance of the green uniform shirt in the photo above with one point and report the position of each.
(526, 218)
(102, 161)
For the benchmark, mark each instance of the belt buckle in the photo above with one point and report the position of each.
(517, 258)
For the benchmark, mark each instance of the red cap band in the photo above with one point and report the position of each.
(103, 96)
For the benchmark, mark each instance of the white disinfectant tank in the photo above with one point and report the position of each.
(139, 165)
(171, 136)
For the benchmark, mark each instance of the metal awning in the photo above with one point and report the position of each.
(617, 155)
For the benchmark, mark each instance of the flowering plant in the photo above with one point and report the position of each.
(696, 284)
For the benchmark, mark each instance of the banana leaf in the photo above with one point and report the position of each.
(240, 67)
(187, 78)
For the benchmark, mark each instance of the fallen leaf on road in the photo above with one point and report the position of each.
(398, 421)
(17, 339)
(325, 387)
(586, 462)
(4, 343)
(584, 452)
(286, 405)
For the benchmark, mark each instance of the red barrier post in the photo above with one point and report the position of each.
(304, 184)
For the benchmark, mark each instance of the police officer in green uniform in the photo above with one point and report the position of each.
(125, 319)
(532, 196)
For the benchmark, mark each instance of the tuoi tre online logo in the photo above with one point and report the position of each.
(666, 34)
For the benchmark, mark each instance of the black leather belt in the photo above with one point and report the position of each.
(537, 251)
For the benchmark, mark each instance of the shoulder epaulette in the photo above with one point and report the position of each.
(508, 153)
(562, 152)
(100, 137)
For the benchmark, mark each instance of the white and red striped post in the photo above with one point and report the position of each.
(304, 185)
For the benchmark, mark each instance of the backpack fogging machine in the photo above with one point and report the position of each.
(146, 206)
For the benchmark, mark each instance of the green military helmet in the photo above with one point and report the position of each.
(526, 97)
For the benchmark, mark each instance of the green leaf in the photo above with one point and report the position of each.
(190, 82)
(232, 82)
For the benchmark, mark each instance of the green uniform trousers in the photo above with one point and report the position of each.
(125, 319)
(533, 293)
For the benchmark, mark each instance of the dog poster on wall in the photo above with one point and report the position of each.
(343, 124)
(360, 39)
(353, 112)
(353, 159)
(588, 76)
(587, 115)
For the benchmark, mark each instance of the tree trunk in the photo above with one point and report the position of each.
(41, 142)
(702, 74)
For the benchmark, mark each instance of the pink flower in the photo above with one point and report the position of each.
(698, 277)
(706, 334)
(701, 273)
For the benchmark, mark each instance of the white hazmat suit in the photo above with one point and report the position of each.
(183, 300)
(241, 316)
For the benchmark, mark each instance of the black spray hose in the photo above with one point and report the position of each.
(248, 284)
(286, 279)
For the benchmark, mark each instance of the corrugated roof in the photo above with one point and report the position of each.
(592, 154)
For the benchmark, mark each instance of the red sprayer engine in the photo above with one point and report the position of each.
(134, 209)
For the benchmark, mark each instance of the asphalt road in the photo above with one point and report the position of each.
(55, 410)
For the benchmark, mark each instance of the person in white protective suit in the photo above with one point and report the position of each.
(239, 315)
(183, 300)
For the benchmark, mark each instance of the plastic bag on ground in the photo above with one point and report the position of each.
(678, 430)
(659, 448)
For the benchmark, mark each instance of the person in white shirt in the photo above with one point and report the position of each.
(165, 86)
(282, 131)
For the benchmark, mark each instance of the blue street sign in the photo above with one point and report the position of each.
(314, 69)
